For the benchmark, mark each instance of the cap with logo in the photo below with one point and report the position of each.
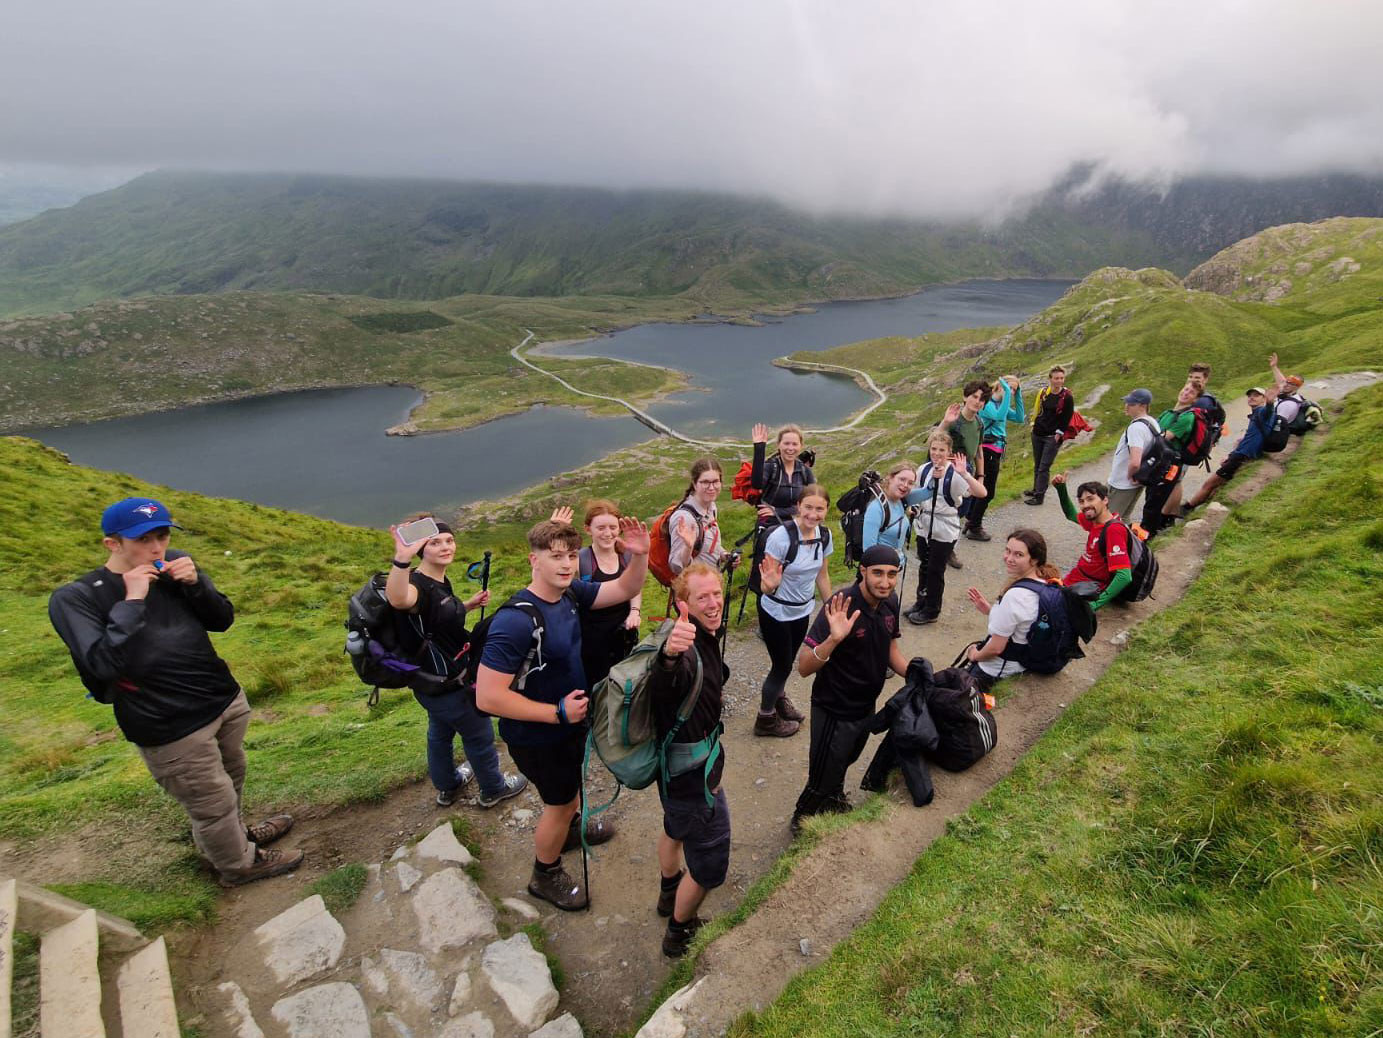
(134, 517)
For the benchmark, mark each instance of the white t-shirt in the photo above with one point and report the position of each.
(1139, 434)
(799, 577)
(1288, 407)
(945, 524)
(1010, 618)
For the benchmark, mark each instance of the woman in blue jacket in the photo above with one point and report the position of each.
(1005, 405)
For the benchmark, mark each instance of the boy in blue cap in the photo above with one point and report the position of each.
(137, 630)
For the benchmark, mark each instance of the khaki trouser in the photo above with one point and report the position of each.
(1121, 502)
(204, 772)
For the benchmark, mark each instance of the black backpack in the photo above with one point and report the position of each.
(965, 725)
(790, 556)
(372, 643)
(851, 506)
(1142, 561)
(1277, 432)
(1064, 620)
(1158, 458)
(532, 661)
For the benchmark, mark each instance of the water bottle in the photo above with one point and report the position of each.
(355, 644)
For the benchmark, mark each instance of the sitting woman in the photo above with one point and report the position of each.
(1025, 558)
(432, 619)
(607, 635)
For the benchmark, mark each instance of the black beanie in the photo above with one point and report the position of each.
(879, 555)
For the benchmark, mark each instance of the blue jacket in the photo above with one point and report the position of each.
(994, 417)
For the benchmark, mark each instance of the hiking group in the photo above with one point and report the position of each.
(561, 666)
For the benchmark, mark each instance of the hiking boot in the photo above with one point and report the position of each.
(838, 805)
(952, 560)
(1030, 492)
(679, 936)
(558, 888)
(513, 786)
(269, 830)
(795, 825)
(598, 830)
(915, 615)
(447, 797)
(787, 710)
(771, 725)
(1034, 500)
(977, 533)
(667, 892)
(1186, 511)
(266, 864)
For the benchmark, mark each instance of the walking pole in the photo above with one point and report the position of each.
(753, 561)
(484, 578)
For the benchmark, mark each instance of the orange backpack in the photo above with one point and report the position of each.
(660, 541)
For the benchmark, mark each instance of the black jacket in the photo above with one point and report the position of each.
(1055, 414)
(911, 735)
(152, 660)
(779, 493)
(668, 683)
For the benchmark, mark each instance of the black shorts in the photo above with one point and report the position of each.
(1231, 465)
(705, 835)
(553, 768)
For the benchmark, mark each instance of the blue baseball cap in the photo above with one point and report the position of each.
(1139, 396)
(134, 517)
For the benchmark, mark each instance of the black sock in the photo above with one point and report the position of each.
(539, 866)
(670, 882)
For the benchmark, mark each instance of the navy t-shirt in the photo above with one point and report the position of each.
(557, 671)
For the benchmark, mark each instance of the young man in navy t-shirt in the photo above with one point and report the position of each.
(542, 709)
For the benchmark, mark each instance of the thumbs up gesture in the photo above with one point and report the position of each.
(682, 635)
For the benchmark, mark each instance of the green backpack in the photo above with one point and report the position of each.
(622, 727)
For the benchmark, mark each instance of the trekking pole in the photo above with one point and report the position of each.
(484, 578)
(753, 561)
(585, 864)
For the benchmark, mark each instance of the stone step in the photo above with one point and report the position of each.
(69, 981)
(145, 987)
(9, 906)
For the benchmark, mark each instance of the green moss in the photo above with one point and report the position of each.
(341, 888)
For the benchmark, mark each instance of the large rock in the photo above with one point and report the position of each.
(518, 974)
(324, 1011)
(442, 845)
(451, 911)
(670, 1021)
(565, 1026)
(302, 941)
(238, 1014)
(411, 979)
(460, 994)
(472, 1025)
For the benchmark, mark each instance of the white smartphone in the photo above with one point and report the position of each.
(418, 530)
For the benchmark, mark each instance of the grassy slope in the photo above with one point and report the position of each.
(1195, 847)
(119, 358)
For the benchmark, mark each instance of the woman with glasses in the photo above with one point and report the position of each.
(693, 532)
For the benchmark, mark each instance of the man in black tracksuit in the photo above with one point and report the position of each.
(137, 631)
(1054, 411)
(851, 646)
(696, 816)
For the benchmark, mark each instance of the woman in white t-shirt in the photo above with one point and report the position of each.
(789, 580)
(1025, 558)
(944, 484)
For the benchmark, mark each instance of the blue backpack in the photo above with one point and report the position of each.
(1064, 620)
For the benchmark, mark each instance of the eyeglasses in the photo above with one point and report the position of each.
(708, 482)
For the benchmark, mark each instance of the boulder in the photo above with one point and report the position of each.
(324, 1011)
(472, 1025)
(565, 1026)
(442, 845)
(518, 974)
(301, 941)
(451, 911)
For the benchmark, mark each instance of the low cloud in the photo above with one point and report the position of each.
(932, 109)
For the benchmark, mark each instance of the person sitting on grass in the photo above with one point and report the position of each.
(1013, 614)
(432, 628)
(1106, 563)
(851, 647)
(1249, 447)
(537, 689)
(696, 815)
(137, 629)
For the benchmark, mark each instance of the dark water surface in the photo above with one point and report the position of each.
(734, 362)
(324, 452)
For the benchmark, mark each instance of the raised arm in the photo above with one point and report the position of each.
(1064, 496)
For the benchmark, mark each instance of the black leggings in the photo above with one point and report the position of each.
(782, 638)
(931, 573)
(978, 506)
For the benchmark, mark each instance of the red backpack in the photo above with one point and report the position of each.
(741, 490)
(1196, 449)
(660, 541)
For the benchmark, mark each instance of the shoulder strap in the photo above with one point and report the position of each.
(585, 562)
(535, 645)
(794, 536)
(700, 526)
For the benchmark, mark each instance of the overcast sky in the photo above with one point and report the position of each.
(931, 107)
